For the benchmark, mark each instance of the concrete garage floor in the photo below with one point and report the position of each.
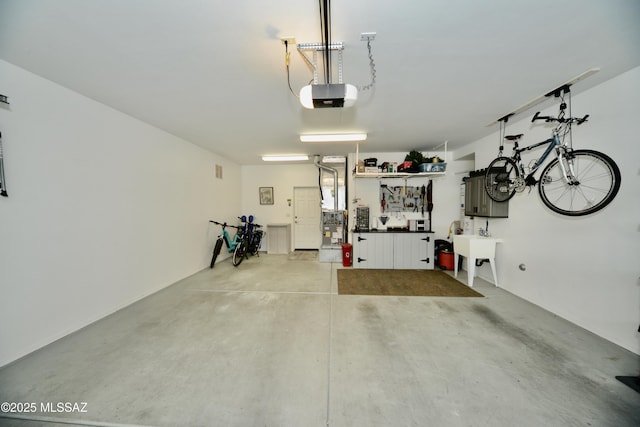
(270, 343)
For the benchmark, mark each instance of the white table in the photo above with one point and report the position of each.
(475, 247)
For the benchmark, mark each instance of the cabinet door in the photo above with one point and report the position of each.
(360, 250)
(483, 198)
(431, 251)
(478, 203)
(475, 197)
(373, 250)
(411, 251)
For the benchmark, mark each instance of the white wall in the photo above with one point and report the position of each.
(283, 178)
(102, 210)
(584, 269)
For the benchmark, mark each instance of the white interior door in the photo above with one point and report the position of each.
(307, 216)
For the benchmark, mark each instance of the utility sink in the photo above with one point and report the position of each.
(475, 247)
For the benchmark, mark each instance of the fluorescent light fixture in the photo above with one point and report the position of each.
(334, 159)
(344, 137)
(286, 158)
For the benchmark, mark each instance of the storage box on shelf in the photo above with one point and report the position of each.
(433, 167)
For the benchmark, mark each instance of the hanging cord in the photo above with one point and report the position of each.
(320, 184)
(3, 182)
(501, 134)
(372, 66)
(570, 145)
(287, 56)
(564, 125)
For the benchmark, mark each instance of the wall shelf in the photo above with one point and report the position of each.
(404, 175)
(397, 174)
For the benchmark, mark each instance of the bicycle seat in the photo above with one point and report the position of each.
(513, 137)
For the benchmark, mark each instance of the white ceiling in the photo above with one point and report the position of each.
(213, 72)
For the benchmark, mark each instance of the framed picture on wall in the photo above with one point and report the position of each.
(266, 195)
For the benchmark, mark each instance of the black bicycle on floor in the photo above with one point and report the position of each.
(575, 183)
(254, 235)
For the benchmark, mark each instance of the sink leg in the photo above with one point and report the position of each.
(471, 270)
(492, 261)
(455, 264)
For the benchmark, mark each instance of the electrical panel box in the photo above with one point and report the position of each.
(478, 203)
(332, 228)
(362, 218)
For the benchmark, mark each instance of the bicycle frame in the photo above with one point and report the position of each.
(226, 237)
(551, 142)
(231, 245)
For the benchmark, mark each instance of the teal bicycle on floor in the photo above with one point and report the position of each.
(237, 245)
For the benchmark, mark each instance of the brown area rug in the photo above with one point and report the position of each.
(423, 283)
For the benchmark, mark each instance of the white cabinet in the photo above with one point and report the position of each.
(373, 250)
(411, 251)
(389, 250)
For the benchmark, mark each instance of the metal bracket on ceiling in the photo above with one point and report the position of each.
(303, 48)
(556, 92)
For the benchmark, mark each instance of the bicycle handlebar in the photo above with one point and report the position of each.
(253, 224)
(582, 120)
(224, 224)
(233, 226)
(577, 120)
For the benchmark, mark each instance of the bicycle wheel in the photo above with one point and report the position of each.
(595, 183)
(251, 243)
(216, 252)
(255, 248)
(239, 252)
(500, 179)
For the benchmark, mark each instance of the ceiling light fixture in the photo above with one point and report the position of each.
(286, 158)
(334, 159)
(334, 137)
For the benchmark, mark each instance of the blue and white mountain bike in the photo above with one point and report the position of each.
(575, 183)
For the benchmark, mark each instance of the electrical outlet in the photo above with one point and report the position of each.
(290, 40)
(367, 37)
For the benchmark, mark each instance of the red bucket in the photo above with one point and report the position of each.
(347, 253)
(445, 259)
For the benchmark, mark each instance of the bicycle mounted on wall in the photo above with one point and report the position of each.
(575, 183)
